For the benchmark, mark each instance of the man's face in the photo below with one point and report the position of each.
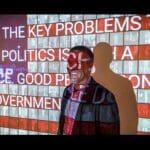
(79, 66)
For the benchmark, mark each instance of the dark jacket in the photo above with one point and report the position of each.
(97, 112)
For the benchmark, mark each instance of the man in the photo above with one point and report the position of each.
(87, 107)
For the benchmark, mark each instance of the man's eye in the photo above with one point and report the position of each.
(71, 60)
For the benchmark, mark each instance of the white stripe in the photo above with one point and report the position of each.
(102, 37)
(33, 113)
(22, 89)
(14, 111)
(32, 43)
(53, 91)
(144, 37)
(23, 112)
(13, 89)
(4, 110)
(143, 96)
(4, 89)
(116, 38)
(43, 114)
(54, 115)
(63, 67)
(4, 131)
(32, 66)
(13, 131)
(43, 42)
(32, 90)
(144, 125)
(144, 66)
(116, 15)
(131, 38)
(42, 67)
(116, 66)
(130, 67)
(31, 19)
(23, 132)
(42, 91)
(30, 113)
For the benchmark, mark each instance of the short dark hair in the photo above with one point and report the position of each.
(85, 49)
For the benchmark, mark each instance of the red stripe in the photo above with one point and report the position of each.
(144, 110)
(61, 54)
(13, 102)
(41, 30)
(58, 79)
(144, 52)
(145, 23)
(121, 21)
(4, 121)
(122, 52)
(29, 124)
(101, 25)
(85, 26)
(34, 29)
(143, 133)
(139, 81)
(61, 79)
(138, 52)
(52, 31)
(53, 54)
(32, 56)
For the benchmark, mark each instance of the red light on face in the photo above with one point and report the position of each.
(76, 60)
(73, 63)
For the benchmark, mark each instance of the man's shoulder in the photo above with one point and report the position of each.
(101, 92)
(66, 91)
(99, 86)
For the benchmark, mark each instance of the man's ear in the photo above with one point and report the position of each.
(93, 69)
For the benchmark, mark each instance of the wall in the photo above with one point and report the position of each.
(34, 50)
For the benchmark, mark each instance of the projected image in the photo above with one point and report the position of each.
(33, 64)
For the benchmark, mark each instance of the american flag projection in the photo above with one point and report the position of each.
(33, 54)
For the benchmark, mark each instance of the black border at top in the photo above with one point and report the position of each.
(75, 6)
